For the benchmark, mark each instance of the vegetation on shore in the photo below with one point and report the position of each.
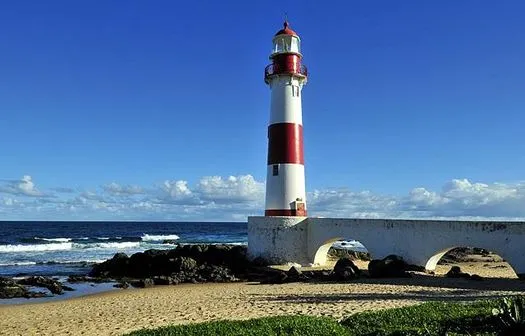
(488, 317)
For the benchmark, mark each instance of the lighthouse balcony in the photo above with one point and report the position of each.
(274, 70)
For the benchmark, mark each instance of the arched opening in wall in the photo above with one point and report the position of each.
(471, 260)
(334, 249)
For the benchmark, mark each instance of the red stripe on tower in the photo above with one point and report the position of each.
(285, 182)
(285, 143)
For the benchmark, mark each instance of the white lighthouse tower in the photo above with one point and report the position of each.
(285, 182)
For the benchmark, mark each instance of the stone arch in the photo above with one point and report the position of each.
(320, 257)
(432, 262)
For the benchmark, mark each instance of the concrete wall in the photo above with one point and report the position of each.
(278, 239)
(419, 242)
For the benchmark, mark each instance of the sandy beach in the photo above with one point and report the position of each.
(117, 312)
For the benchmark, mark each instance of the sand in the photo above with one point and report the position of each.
(117, 312)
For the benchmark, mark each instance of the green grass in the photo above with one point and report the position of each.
(268, 326)
(433, 318)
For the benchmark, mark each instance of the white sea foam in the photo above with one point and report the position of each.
(114, 245)
(59, 240)
(36, 248)
(147, 237)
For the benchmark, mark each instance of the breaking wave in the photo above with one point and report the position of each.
(36, 248)
(147, 237)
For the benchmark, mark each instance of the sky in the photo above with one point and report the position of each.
(136, 110)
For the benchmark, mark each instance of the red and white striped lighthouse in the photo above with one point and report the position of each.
(285, 182)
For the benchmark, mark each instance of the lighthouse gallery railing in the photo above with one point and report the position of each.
(271, 70)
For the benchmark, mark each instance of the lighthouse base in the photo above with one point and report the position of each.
(278, 240)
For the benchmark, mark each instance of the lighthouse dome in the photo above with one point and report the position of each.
(286, 30)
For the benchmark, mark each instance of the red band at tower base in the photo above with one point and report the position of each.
(285, 212)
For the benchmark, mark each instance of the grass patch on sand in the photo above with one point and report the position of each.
(432, 318)
(268, 326)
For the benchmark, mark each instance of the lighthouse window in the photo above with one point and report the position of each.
(295, 91)
(275, 170)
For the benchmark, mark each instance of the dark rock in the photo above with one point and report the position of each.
(114, 267)
(162, 280)
(455, 272)
(213, 273)
(278, 277)
(345, 269)
(122, 284)
(143, 283)
(185, 264)
(259, 261)
(476, 277)
(11, 289)
(416, 268)
(294, 273)
(202, 263)
(53, 286)
(391, 266)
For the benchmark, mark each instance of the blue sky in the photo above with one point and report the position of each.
(158, 110)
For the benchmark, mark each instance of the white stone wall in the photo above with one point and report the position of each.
(278, 239)
(419, 242)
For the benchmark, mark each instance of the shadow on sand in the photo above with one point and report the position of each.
(457, 290)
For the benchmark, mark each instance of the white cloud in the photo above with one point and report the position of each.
(25, 186)
(458, 198)
(117, 189)
(236, 197)
(233, 189)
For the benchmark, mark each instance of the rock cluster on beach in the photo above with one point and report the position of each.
(10, 288)
(226, 263)
(210, 263)
(184, 264)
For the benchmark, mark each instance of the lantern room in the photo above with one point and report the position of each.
(286, 56)
(286, 41)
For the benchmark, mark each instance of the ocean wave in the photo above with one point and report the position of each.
(147, 237)
(113, 245)
(36, 248)
(58, 240)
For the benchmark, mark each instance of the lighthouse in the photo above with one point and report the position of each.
(286, 75)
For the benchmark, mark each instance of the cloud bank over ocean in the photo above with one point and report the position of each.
(233, 198)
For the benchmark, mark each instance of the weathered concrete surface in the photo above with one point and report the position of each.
(278, 239)
(419, 242)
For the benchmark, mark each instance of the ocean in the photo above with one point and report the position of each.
(65, 248)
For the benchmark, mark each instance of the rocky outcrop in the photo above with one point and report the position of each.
(11, 289)
(55, 287)
(186, 263)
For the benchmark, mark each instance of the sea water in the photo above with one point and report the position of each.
(64, 248)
